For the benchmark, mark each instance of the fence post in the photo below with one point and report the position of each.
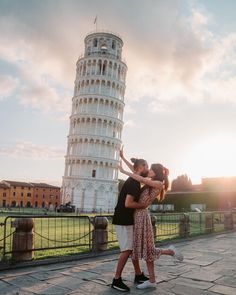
(154, 227)
(184, 226)
(23, 240)
(209, 223)
(228, 221)
(100, 233)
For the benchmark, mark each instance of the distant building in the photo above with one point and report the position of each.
(45, 196)
(4, 194)
(212, 194)
(26, 194)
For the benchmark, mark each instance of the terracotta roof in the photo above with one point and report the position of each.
(18, 183)
(45, 185)
(29, 184)
(3, 185)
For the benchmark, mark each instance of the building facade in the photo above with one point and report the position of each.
(90, 179)
(4, 195)
(29, 195)
(45, 196)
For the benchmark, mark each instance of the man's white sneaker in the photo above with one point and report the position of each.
(177, 254)
(146, 284)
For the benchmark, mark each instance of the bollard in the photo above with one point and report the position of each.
(209, 223)
(184, 226)
(228, 221)
(100, 233)
(154, 227)
(23, 240)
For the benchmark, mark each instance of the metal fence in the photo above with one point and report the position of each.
(54, 236)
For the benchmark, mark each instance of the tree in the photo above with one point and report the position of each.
(181, 183)
(121, 182)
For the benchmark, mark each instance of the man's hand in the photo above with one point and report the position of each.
(130, 203)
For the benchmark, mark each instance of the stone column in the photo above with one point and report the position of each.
(209, 223)
(184, 226)
(23, 240)
(228, 221)
(100, 233)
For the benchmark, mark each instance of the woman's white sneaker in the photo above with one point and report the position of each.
(146, 284)
(177, 254)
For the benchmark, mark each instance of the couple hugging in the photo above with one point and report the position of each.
(133, 222)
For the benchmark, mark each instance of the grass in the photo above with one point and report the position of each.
(72, 235)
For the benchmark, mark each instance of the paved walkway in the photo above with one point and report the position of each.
(209, 268)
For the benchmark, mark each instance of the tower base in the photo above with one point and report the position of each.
(90, 196)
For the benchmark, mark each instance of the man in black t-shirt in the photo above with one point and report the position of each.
(124, 220)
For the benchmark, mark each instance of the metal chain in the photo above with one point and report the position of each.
(68, 241)
(7, 236)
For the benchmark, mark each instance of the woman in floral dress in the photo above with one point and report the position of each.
(155, 186)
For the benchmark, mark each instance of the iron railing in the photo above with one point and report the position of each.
(53, 235)
(70, 234)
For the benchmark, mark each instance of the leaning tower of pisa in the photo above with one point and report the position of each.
(90, 179)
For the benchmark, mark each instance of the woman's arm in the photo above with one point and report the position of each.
(149, 182)
(130, 165)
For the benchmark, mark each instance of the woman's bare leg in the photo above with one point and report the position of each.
(167, 252)
(151, 271)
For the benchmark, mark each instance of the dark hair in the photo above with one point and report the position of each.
(161, 174)
(138, 162)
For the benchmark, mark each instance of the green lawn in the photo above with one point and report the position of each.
(72, 235)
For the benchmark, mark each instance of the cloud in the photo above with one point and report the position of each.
(7, 86)
(30, 150)
(172, 56)
(129, 124)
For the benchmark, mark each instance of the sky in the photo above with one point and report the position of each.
(180, 89)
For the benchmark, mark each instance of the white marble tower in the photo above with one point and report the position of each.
(96, 122)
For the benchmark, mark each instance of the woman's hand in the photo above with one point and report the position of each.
(120, 167)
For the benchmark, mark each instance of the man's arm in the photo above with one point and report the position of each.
(130, 203)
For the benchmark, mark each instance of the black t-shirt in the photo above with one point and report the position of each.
(123, 215)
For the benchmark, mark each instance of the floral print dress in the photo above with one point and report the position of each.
(143, 242)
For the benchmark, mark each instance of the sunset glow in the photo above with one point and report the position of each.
(214, 157)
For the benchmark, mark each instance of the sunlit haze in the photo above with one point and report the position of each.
(180, 88)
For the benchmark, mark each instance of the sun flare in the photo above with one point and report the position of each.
(214, 157)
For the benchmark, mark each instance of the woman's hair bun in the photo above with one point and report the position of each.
(133, 160)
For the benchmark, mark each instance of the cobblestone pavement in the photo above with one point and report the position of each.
(209, 268)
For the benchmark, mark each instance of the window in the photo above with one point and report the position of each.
(168, 207)
(14, 193)
(36, 196)
(22, 194)
(43, 196)
(36, 204)
(28, 194)
(198, 207)
(22, 187)
(94, 173)
(14, 187)
(113, 46)
(4, 195)
(21, 204)
(95, 42)
(4, 203)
